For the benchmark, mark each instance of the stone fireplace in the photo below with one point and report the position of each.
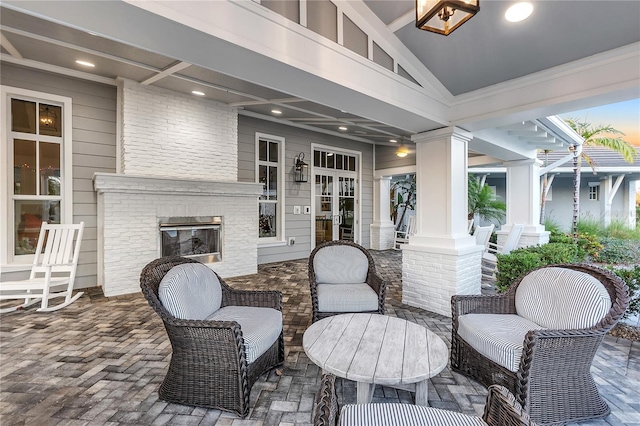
(131, 209)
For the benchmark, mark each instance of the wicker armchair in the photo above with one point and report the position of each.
(549, 371)
(342, 279)
(501, 409)
(209, 365)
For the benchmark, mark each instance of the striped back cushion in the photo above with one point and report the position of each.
(560, 298)
(190, 291)
(340, 265)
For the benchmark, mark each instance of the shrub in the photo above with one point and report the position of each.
(516, 263)
(590, 226)
(619, 229)
(631, 276)
(551, 226)
(616, 250)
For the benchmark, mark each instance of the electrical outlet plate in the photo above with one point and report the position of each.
(296, 209)
(307, 209)
(291, 241)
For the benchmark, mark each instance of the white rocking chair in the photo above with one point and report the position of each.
(402, 237)
(60, 256)
(483, 234)
(489, 258)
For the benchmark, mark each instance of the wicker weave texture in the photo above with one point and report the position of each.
(374, 280)
(208, 365)
(553, 382)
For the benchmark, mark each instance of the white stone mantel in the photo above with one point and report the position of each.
(129, 209)
(125, 183)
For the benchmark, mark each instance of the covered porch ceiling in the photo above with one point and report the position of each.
(242, 54)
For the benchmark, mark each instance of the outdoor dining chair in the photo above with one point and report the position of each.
(53, 271)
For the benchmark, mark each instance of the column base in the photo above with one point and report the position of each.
(382, 236)
(532, 235)
(431, 275)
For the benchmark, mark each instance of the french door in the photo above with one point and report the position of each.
(335, 205)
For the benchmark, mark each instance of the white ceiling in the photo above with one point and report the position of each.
(484, 52)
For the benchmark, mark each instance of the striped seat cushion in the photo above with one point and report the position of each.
(498, 337)
(346, 298)
(261, 327)
(190, 291)
(561, 298)
(340, 264)
(389, 414)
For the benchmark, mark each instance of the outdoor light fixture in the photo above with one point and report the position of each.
(301, 169)
(518, 12)
(403, 151)
(444, 16)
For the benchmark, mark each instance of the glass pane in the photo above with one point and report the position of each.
(28, 218)
(24, 167)
(323, 159)
(330, 159)
(352, 163)
(339, 165)
(50, 120)
(23, 116)
(273, 183)
(273, 152)
(346, 206)
(49, 168)
(267, 225)
(262, 178)
(316, 158)
(262, 150)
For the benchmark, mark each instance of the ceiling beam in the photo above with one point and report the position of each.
(9, 47)
(402, 21)
(178, 66)
(267, 101)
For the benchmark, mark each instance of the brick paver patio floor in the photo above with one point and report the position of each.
(100, 362)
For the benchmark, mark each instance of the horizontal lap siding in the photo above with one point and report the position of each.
(299, 194)
(93, 150)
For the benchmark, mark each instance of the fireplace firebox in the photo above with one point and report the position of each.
(197, 237)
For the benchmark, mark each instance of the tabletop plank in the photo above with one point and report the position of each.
(389, 368)
(322, 347)
(415, 364)
(364, 362)
(342, 355)
(438, 353)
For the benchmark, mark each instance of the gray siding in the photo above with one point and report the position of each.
(94, 148)
(299, 194)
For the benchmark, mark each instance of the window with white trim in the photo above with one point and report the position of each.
(594, 192)
(36, 154)
(270, 173)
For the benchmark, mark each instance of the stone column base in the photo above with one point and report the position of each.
(382, 236)
(431, 275)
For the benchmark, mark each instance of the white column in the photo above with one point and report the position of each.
(606, 184)
(442, 259)
(382, 229)
(629, 204)
(523, 202)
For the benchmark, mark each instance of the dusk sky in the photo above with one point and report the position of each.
(624, 116)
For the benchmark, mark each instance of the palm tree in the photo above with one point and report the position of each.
(403, 195)
(483, 202)
(602, 136)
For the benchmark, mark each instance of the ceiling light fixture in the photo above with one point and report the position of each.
(444, 16)
(197, 92)
(276, 112)
(518, 12)
(403, 151)
(343, 128)
(85, 63)
(393, 140)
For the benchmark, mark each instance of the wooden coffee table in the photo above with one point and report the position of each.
(377, 349)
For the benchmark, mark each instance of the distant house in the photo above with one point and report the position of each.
(607, 193)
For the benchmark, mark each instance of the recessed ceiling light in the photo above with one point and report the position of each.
(343, 128)
(276, 111)
(85, 63)
(518, 12)
(197, 92)
(393, 140)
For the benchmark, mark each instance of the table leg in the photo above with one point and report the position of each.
(365, 392)
(422, 393)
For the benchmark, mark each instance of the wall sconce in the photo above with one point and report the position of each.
(444, 16)
(402, 151)
(301, 169)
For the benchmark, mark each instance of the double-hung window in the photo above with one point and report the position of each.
(36, 154)
(270, 172)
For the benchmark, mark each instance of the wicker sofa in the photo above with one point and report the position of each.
(222, 339)
(342, 279)
(539, 338)
(501, 409)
